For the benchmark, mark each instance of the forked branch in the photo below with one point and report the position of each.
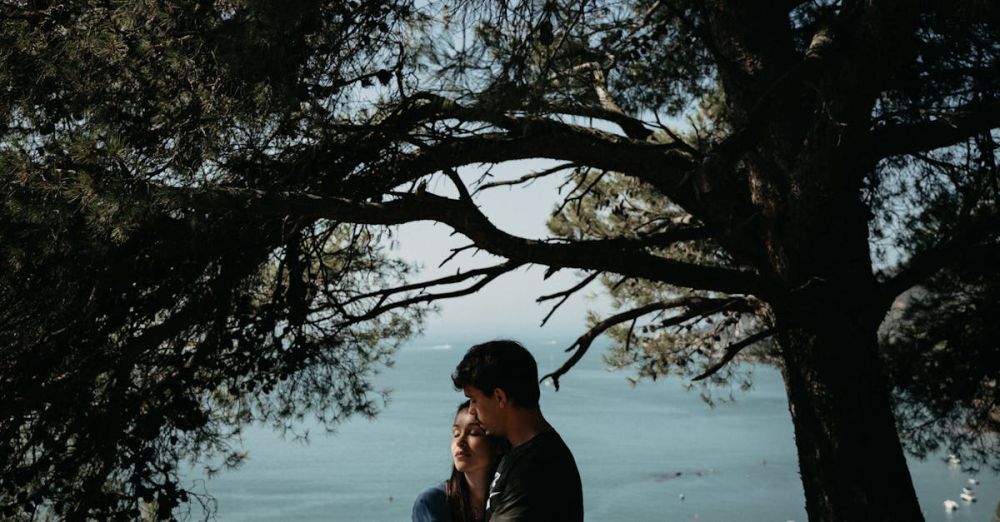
(698, 306)
(565, 294)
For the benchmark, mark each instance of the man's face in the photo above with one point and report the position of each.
(486, 409)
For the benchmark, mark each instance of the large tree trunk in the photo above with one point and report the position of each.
(805, 175)
(850, 457)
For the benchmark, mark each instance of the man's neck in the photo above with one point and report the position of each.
(524, 425)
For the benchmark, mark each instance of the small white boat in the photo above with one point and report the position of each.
(954, 460)
(950, 505)
(968, 497)
(974, 482)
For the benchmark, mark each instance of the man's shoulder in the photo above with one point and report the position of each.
(548, 445)
(538, 459)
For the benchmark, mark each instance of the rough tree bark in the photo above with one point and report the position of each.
(805, 174)
(850, 457)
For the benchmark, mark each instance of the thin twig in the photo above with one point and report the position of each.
(734, 349)
(582, 344)
(527, 177)
(565, 295)
(455, 252)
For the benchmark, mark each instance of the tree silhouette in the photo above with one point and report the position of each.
(195, 194)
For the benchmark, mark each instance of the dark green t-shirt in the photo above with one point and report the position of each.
(537, 481)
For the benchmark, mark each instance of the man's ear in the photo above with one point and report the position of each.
(500, 396)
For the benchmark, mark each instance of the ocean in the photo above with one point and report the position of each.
(653, 451)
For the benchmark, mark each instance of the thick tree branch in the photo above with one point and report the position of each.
(943, 131)
(889, 26)
(632, 127)
(755, 46)
(613, 255)
(927, 263)
(672, 169)
(660, 165)
(663, 166)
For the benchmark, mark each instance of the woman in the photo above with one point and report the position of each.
(475, 456)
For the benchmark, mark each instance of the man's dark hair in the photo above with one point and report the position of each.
(500, 364)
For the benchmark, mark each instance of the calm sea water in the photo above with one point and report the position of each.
(649, 452)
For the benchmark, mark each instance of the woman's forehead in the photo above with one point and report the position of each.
(464, 418)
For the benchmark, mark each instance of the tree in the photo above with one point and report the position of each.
(135, 334)
(817, 132)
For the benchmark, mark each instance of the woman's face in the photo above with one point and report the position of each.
(470, 449)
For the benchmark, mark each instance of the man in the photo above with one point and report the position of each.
(537, 480)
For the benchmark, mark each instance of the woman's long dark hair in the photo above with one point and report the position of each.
(457, 488)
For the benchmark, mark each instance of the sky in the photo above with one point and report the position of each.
(505, 307)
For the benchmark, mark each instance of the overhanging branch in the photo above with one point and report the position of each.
(509, 137)
(423, 285)
(927, 263)
(614, 255)
(660, 165)
(943, 131)
(697, 306)
(488, 275)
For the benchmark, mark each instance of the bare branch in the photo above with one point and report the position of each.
(733, 349)
(527, 177)
(578, 198)
(698, 305)
(672, 134)
(582, 344)
(455, 252)
(463, 192)
(565, 294)
(452, 279)
(489, 274)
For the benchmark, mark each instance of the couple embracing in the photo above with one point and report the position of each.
(508, 463)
